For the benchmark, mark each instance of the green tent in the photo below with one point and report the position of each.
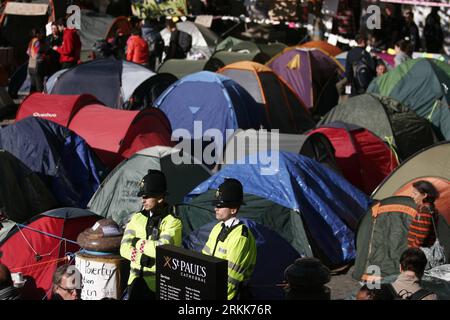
(117, 198)
(222, 58)
(22, 193)
(238, 45)
(382, 238)
(387, 118)
(431, 164)
(287, 222)
(181, 67)
(422, 85)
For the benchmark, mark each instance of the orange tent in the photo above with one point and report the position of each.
(329, 48)
(284, 110)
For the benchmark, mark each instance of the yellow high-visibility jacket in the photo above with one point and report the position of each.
(144, 251)
(239, 249)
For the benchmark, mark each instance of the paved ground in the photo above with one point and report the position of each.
(343, 285)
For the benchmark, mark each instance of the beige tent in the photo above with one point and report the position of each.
(249, 142)
(430, 162)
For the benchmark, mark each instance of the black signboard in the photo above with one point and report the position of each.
(182, 274)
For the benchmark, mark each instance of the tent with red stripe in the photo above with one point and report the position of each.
(54, 107)
(115, 135)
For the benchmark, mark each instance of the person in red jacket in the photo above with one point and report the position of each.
(137, 48)
(70, 49)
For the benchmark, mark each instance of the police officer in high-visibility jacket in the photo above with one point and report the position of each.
(153, 226)
(231, 240)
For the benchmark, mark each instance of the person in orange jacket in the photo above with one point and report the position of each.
(137, 48)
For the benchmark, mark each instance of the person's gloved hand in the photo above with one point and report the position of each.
(134, 241)
(147, 261)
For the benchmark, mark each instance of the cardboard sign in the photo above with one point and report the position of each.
(26, 9)
(204, 20)
(100, 277)
(182, 274)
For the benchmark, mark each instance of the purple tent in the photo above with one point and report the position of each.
(312, 73)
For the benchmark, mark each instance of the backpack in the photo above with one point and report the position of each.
(155, 44)
(184, 41)
(418, 295)
(362, 74)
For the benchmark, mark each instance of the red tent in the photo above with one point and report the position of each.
(39, 247)
(115, 135)
(54, 107)
(364, 159)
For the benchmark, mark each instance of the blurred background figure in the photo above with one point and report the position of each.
(306, 279)
(433, 34)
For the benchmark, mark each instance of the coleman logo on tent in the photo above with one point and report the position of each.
(44, 115)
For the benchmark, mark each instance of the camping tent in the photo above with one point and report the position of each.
(99, 26)
(325, 46)
(62, 159)
(418, 166)
(422, 85)
(284, 109)
(44, 242)
(313, 75)
(181, 67)
(389, 119)
(112, 81)
(117, 134)
(57, 108)
(247, 142)
(217, 101)
(117, 196)
(364, 159)
(266, 51)
(22, 193)
(314, 209)
(203, 39)
(382, 238)
(222, 58)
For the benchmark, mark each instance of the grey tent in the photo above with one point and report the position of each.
(22, 193)
(204, 40)
(246, 142)
(430, 162)
(117, 196)
(181, 67)
(387, 118)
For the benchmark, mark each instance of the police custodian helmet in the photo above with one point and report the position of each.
(229, 194)
(153, 184)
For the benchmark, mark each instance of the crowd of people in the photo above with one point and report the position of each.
(230, 239)
(62, 48)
